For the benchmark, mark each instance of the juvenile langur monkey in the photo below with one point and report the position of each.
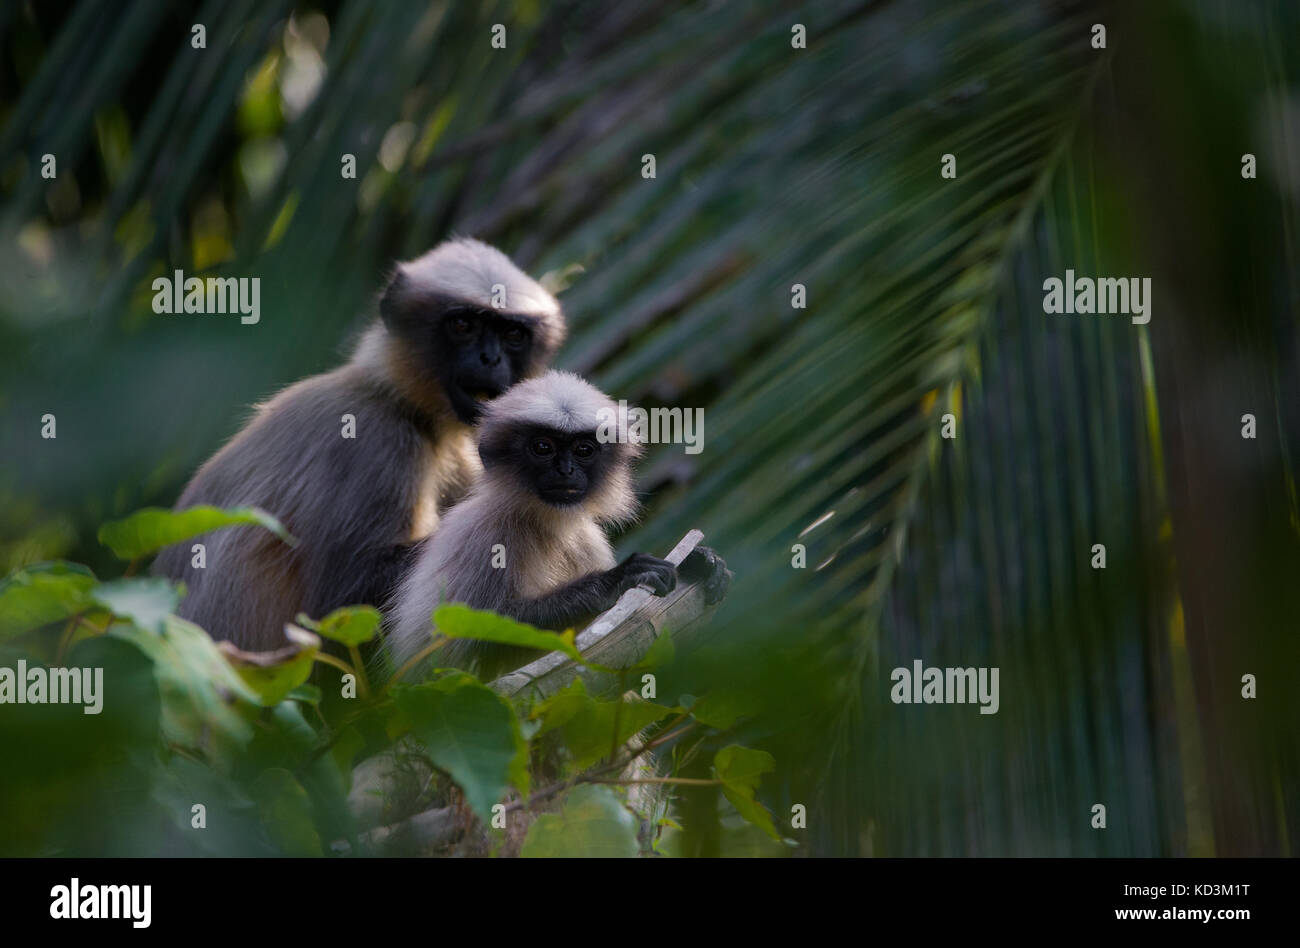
(358, 463)
(528, 542)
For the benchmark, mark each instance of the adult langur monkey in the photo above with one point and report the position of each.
(553, 478)
(358, 463)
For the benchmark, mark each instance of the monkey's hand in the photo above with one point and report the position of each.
(639, 568)
(704, 565)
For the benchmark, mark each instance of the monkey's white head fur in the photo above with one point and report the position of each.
(567, 403)
(469, 269)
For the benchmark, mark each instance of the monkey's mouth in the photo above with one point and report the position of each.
(470, 400)
(562, 496)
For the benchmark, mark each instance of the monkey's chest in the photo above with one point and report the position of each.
(548, 566)
(446, 474)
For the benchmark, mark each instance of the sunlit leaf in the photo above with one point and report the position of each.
(593, 822)
(351, 625)
(145, 601)
(43, 593)
(739, 769)
(273, 675)
(591, 728)
(461, 622)
(149, 530)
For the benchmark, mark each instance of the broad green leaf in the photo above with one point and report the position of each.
(462, 622)
(286, 813)
(205, 704)
(43, 593)
(739, 769)
(593, 822)
(350, 625)
(273, 675)
(588, 724)
(469, 731)
(149, 530)
(146, 601)
(722, 708)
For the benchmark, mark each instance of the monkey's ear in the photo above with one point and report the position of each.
(393, 303)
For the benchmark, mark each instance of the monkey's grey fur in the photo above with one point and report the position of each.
(358, 504)
(547, 549)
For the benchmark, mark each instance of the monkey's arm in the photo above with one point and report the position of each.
(589, 595)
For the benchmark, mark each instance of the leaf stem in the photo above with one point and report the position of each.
(438, 642)
(328, 659)
(362, 678)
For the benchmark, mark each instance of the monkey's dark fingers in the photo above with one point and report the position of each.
(715, 588)
(701, 563)
(660, 581)
(644, 561)
(706, 566)
(642, 569)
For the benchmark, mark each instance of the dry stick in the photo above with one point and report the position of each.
(590, 776)
(696, 781)
(556, 669)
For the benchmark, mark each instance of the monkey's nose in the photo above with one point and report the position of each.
(489, 358)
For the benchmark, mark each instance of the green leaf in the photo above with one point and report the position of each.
(739, 769)
(43, 593)
(147, 601)
(461, 622)
(350, 743)
(286, 813)
(469, 731)
(205, 704)
(593, 822)
(149, 530)
(588, 724)
(350, 625)
(307, 694)
(722, 708)
(273, 675)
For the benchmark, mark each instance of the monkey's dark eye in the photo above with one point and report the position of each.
(460, 327)
(515, 336)
(542, 447)
(584, 449)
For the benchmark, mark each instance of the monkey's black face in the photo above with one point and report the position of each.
(562, 468)
(474, 353)
(480, 354)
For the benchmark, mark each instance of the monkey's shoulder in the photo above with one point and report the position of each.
(327, 440)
